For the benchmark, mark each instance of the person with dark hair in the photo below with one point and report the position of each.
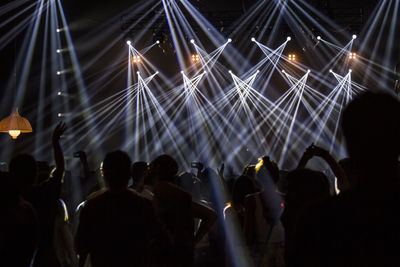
(177, 212)
(117, 227)
(359, 227)
(18, 226)
(43, 196)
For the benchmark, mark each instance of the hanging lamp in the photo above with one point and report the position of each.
(15, 124)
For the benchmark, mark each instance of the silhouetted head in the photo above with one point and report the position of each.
(9, 192)
(371, 127)
(242, 187)
(163, 168)
(137, 171)
(116, 169)
(351, 173)
(24, 168)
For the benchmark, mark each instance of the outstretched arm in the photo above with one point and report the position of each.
(208, 218)
(58, 154)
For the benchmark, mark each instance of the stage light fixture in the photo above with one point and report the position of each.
(257, 71)
(308, 71)
(192, 41)
(319, 38)
(292, 57)
(58, 72)
(182, 72)
(128, 42)
(253, 39)
(59, 114)
(289, 38)
(229, 40)
(157, 42)
(58, 51)
(283, 71)
(195, 58)
(350, 70)
(352, 55)
(58, 30)
(136, 59)
(230, 71)
(138, 72)
(354, 36)
(59, 93)
(331, 71)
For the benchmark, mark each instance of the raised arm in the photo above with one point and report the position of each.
(58, 154)
(208, 218)
(325, 155)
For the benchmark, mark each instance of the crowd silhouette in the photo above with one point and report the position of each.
(151, 214)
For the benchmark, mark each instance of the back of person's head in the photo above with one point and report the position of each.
(164, 167)
(24, 168)
(351, 172)
(371, 127)
(242, 187)
(137, 170)
(305, 186)
(117, 169)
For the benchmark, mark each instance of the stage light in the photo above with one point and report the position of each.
(292, 57)
(58, 72)
(128, 42)
(192, 41)
(229, 40)
(253, 39)
(230, 71)
(157, 42)
(195, 58)
(58, 51)
(352, 55)
(58, 30)
(182, 72)
(354, 36)
(15, 124)
(283, 71)
(308, 71)
(319, 38)
(59, 114)
(156, 72)
(136, 59)
(257, 71)
(289, 38)
(138, 72)
(331, 71)
(204, 72)
(350, 70)
(59, 93)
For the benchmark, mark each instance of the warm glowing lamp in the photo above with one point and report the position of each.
(15, 125)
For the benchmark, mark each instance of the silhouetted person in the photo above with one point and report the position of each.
(43, 196)
(117, 227)
(360, 227)
(177, 212)
(18, 226)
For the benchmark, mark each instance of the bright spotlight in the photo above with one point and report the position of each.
(319, 38)
(229, 40)
(292, 57)
(192, 41)
(352, 55)
(283, 71)
(58, 30)
(230, 71)
(58, 51)
(59, 114)
(58, 72)
(253, 39)
(289, 38)
(195, 58)
(156, 72)
(157, 42)
(308, 71)
(204, 72)
(59, 93)
(182, 72)
(331, 71)
(350, 70)
(138, 72)
(136, 59)
(128, 42)
(257, 71)
(354, 36)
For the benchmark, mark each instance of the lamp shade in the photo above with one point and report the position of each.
(15, 125)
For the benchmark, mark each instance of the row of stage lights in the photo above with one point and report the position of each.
(196, 58)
